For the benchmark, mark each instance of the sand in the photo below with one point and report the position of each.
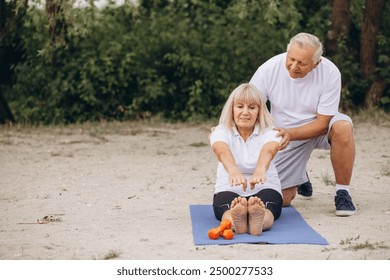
(122, 191)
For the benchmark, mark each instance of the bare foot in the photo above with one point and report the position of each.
(256, 211)
(239, 213)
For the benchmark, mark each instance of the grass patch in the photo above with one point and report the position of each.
(373, 116)
(385, 170)
(112, 254)
(367, 246)
(349, 240)
(199, 144)
(362, 246)
(327, 179)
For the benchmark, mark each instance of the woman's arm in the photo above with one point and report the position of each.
(267, 153)
(224, 155)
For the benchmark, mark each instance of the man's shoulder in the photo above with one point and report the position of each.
(328, 64)
(276, 59)
(273, 64)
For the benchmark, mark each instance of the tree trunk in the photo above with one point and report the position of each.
(375, 92)
(2, 14)
(368, 55)
(6, 115)
(56, 22)
(341, 22)
(370, 30)
(10, 18)
(57, 27)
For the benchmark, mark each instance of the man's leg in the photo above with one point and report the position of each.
(288, 195)
(342, 152)
(342, 155)
(291, 165)
(306, 189)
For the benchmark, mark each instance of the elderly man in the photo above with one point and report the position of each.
(304, 89)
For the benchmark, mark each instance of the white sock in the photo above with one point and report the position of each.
(341, 187)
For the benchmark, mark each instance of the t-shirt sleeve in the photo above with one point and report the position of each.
(270, 135)
(330, 97)
(258, 80)
(268, 74)
(219, 134)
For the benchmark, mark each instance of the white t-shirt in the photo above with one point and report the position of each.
(246, 155)
(295, 102)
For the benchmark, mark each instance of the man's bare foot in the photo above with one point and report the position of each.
(256, 211)
(239, 213)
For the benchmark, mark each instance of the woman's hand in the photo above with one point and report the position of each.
(236, 178)
(224, 155)
(258, 177)
(286, 137)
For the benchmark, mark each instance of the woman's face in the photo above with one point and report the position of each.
(245, 114)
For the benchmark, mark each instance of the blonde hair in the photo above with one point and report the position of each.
(246, 93)
(305, 40)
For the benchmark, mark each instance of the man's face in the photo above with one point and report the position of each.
(299, 61)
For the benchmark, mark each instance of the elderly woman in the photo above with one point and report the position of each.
(247, 191)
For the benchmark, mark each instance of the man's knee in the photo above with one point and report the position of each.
(341, 132)
(342, 126)
(288, 195)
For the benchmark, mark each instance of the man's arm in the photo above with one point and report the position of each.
(310, 130)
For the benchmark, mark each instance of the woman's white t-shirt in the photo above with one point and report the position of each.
(246, 155)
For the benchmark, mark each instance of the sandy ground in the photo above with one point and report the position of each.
(123, 190)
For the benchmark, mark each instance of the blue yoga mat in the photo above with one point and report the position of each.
(290, 228)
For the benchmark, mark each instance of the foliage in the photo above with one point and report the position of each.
(174, 59)
(384, 54)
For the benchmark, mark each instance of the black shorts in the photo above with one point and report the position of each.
(272, 199)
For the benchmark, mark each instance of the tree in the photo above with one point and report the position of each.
(5, 112)
(341, 21)
(368, 51)
(57, 26)
(11, 14)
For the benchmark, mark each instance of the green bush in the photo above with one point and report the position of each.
(178, 60)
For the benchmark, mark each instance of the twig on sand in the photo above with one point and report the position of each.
(46, 219)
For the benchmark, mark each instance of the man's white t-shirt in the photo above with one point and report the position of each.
(295, 102)
(246, 155)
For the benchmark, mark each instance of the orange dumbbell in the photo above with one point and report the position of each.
(224, 230)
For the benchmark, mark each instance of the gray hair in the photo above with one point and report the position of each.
(246, 93)
(305, 40)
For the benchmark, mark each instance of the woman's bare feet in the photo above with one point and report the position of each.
(239, 213)
(256, 211)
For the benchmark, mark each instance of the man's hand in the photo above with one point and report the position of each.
(211, 131)
(286, 137)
